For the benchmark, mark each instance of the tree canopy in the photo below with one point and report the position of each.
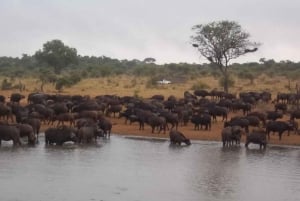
(56, 54)
(220, 42)
(149, 60)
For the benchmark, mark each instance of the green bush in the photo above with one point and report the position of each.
(74, 78)
(60, 83)
(67, 81)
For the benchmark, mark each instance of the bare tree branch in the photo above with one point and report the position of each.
(220, 42)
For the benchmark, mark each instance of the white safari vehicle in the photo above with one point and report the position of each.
(164, 81)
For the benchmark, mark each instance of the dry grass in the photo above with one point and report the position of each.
(130, 86)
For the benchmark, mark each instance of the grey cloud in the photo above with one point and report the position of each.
(142, 28)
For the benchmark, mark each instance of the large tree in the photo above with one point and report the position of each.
(56, 54)
(220, 42)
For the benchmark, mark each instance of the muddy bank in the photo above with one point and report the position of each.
(119, 127)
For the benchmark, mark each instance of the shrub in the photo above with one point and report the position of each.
(74, 78)
(60, 83)
(67, 81)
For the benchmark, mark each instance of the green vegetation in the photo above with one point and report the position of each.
(57, 55)
(13, 70)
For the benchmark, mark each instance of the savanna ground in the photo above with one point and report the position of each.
(137, 86)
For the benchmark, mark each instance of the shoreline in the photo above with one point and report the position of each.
(197, 141)
(214, 135)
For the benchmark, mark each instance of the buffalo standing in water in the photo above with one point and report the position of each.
(177, 137)
(231, 134)
(8, 133)
(86, 134)
(60, 135)
(26, 130)
(257, 137)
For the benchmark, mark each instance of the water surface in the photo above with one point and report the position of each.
(146, 170)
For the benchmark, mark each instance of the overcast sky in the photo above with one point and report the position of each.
(136, 29)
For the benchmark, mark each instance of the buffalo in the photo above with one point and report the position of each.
(231, 134)
(278, 126)
(16, 97)
(202, 119)
(218, 111)
(273, 115)
(106, 125)
(87, 133)
(60, 135)
(242, 122)
(35, 123)
(157, 122)
(257, 137)
(177, 137)
(26, 130)
(8, 133)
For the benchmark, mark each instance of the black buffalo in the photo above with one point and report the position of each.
(257, 137)
(200, 120)
(260, 115)
(242, 122)
(87, 133)
(26, 130)
(16, 97)
(177, 137)
(231, 134)
(278, 126)
(273, 115)
(106, 125)
(8, 133)
(218, 111)
(60, 135)
(157, 122)
(295, 114)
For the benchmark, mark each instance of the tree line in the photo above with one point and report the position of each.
(218, 42)
(99, 67)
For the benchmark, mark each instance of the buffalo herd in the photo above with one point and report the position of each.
(82, 119)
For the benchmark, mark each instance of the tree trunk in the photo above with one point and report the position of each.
(226, 78)
(226, 83)
(42, 86)
(298, 92)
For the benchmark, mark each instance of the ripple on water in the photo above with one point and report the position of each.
(146, 169)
